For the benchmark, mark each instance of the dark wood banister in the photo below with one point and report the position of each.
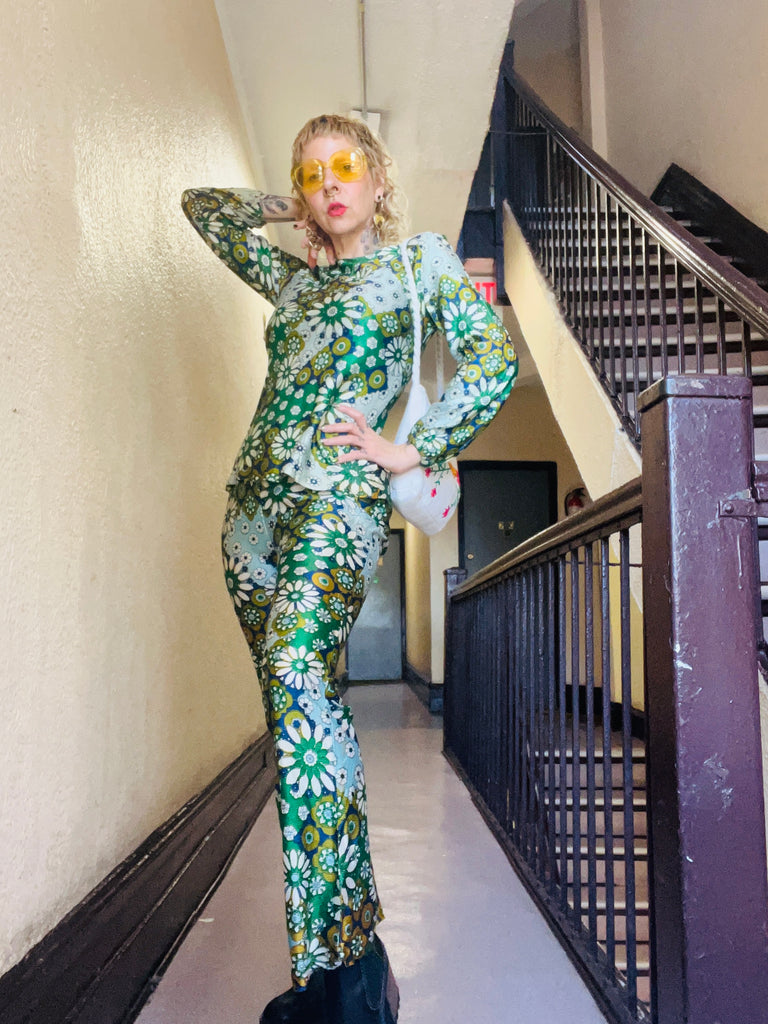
(741, 294)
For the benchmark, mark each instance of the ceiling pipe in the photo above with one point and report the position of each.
(363, 60)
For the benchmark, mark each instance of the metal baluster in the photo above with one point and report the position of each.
(605, 654)
(663, 310)
(589, 666)
(549, 211)
(722, 344)
(575, 734)
(538, 645)
(496, 735)
(567, 285)
(680, 315)
(495, 744)
(699, 301)
(557, 275)
(540, 150)
(517, 703)
(486, 734)
(552, 698)
(633, 270)
(609, 294)
(746, 334)
(622, 310)
(628, 776)
(573, 217)
(507, 722)
(647, 285)
(591, 269)
(603, 271)
(530, 727)
(477, 690)
(563, 730)
(579, 255)
(529, 181)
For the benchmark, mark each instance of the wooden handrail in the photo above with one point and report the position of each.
(741, 294)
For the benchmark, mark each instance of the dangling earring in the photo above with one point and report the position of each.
(378, 216)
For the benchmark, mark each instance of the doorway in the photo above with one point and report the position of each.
(502, 504)
(375, 644)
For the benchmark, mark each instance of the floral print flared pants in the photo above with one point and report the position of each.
(298, 565)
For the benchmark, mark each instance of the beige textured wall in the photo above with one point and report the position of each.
(547, 55)
(130, 364)
(686, 81)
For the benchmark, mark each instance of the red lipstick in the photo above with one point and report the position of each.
(336, 209)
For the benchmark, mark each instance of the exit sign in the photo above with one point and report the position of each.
(482, 274)
(486, 287)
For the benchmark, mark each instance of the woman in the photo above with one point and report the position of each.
(308, 510)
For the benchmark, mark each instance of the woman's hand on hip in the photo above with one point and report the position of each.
(367, 444)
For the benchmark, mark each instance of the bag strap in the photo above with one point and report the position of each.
(415, 313)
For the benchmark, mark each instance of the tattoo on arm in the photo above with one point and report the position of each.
(278, 208)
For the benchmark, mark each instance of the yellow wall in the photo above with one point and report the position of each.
(547, 56)
(686, 82)
(417, 602)
(131, 361)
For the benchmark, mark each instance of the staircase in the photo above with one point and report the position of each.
(647, 292)
(608, 889)
(634, 325)
(745, 247)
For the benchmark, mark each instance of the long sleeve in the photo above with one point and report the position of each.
(224, 219)
(487, 364)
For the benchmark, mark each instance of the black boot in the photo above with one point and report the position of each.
(299, 1006)
(365, 992)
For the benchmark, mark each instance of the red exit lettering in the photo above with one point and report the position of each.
(487, 290)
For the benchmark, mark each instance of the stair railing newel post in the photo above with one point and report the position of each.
(708, 860)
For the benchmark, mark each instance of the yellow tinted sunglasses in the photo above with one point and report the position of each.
(346, 165)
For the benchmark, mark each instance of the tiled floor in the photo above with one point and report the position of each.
(466, 942)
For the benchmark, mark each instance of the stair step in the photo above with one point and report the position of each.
(619, 849)
(643, 962)
(617, 754)
(639, 802)
(620, 906)
(642, 929)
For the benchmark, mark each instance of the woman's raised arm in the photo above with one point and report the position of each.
(224, 219)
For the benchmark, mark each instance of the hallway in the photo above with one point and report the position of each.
(466, 942)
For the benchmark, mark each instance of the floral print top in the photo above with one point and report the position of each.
(342, 334)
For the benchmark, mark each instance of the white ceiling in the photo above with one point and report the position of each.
(432, 67)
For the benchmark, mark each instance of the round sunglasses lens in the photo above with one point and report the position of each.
(349, 165)
(309, 175)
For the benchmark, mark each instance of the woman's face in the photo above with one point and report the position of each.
(343, 209)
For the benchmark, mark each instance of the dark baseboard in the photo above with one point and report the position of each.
(430, 694)
(103, 960)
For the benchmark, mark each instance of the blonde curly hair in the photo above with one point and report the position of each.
(392, 224)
